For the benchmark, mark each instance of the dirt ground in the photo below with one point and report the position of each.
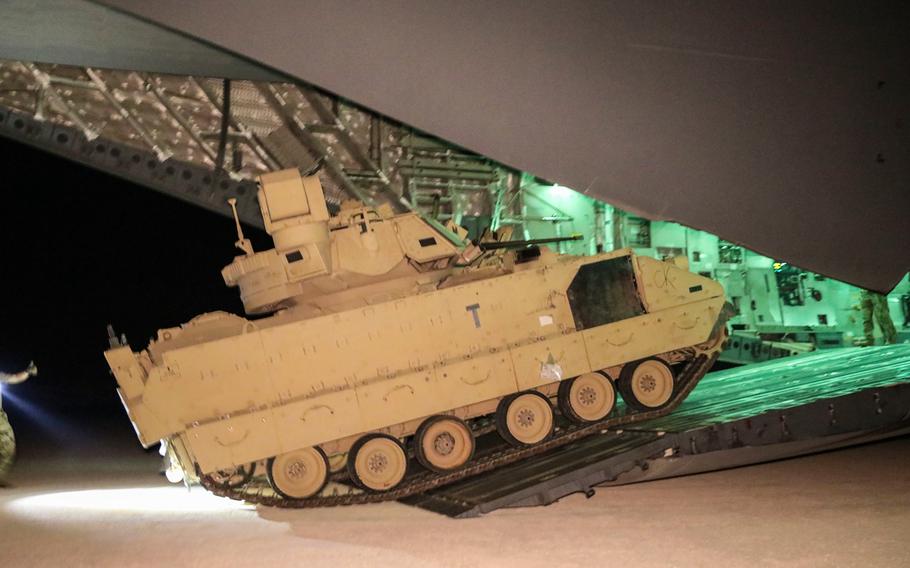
(845, 508)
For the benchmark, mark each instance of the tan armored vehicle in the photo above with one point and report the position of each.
(392, 336)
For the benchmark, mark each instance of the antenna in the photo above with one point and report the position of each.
(112, 337)
(242, 243)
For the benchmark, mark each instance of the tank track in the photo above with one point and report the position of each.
(259, 492)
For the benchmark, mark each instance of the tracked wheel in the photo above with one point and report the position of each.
(525, 418)
(647, 384)
(234, 477)
(299, 474)
(587, 398)
(377, 462)
(443, 443)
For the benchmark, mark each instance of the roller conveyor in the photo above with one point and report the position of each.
(773, 410)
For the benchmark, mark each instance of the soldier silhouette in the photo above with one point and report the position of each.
(874, 307)
(7, 439)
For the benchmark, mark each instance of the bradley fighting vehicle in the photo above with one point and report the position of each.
(388, 337)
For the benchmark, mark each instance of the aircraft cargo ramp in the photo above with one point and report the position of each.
(767, 411)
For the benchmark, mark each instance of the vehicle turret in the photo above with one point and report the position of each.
(317, 255)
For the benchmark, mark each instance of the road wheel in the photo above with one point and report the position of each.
(377, 462)
(587, 398)
(234, 477)
(443, 443)
(647, 384)
(525, 418)
(300, 473)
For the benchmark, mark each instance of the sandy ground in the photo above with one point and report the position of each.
(845, 508)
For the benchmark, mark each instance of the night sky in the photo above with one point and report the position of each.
(81, 249)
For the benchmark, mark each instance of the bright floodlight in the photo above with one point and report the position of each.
(132, 500)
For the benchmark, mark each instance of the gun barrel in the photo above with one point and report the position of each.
(527, 243)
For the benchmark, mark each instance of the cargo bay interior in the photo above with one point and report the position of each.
(111, 110)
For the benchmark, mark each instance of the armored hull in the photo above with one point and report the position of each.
(372, 375)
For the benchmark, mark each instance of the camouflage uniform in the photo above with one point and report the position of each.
(7, 446)
(7, 439)
(875, 307)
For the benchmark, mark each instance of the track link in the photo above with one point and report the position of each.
(259, 493)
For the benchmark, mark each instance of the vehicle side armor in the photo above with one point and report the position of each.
(389, 328)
